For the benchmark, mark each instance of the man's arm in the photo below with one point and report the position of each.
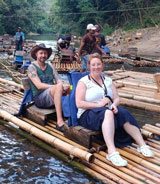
(56, 75)
(101, 50)
(32, 74)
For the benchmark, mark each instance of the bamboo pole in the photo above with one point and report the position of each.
(59, 144)
(59, 154)
(141, 105)
(151, 130)
(146, 133)
(133, 171)
(136, 167)
(137, 85)
(117, 172)
(107, 174)
(11, 83)
(139, 160)
(139, 98)
(60, 136)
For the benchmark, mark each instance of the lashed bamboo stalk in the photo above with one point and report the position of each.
(117, 172)
(60, 136)
(141, 105)
(61, 155)
(136, 167)
(134, 152)
(151, 130)
(158, 124)
(154, 127)
(139, 160)
(137, 85)
(63, 146)
(129, 169)
(11, 83)
(146, 133)
(107, 174)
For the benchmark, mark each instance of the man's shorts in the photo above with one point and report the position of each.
(44, 99)
(84, 61)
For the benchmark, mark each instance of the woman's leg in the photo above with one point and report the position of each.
(135, 133)
(108, 131)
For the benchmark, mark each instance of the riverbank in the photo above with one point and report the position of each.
(145, 40)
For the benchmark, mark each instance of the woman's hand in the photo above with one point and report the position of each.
(114, 108)
(104, 101)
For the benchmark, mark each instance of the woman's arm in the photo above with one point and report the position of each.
(80, 98)
(116, 98)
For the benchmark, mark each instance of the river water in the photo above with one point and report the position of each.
(23, 162)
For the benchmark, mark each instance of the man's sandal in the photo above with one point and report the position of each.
(145, 151)
(116, 159)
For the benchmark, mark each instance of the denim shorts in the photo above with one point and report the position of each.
(84, 61)
(44, 99)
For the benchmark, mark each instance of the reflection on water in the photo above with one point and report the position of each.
(23, 162)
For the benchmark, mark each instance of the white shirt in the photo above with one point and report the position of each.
(95, 93)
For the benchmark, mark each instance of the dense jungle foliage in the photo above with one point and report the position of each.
(72, 16)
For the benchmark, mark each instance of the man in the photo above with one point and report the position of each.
(46, 91)
(19, 39)
(88, 46)
(100, 40)
(63, 42)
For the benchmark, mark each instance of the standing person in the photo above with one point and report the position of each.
(88, 46)
(100, 40)
(100, 111)
(42, 76)
(19, 39)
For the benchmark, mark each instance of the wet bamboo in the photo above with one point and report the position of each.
(146, 133)
(59, 154)
(139, 98)
(107, 174)
(117, 171)
(136, 167)
(158, 124)
(140, 161)
(153, 140)
(151, 130)
(137, 84)
(11, 83)
(154, 160)
(60, 136)
(141, 105)
(61, 145)
(129, 169)
(154, 127)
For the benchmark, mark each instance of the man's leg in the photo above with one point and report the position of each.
(84, 60)
(56, 93)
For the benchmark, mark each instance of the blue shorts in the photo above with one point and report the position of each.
(44, 99)
(84, 61)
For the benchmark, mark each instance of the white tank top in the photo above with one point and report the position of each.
(95, 93)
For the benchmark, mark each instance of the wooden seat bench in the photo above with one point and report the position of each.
(81, 135)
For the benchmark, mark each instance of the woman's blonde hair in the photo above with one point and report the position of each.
(95, 55)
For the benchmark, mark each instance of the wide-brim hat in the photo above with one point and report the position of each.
(39, 47)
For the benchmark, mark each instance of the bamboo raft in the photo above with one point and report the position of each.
(137, 89)
(139, 170)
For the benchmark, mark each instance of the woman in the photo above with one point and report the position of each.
(97, 101)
